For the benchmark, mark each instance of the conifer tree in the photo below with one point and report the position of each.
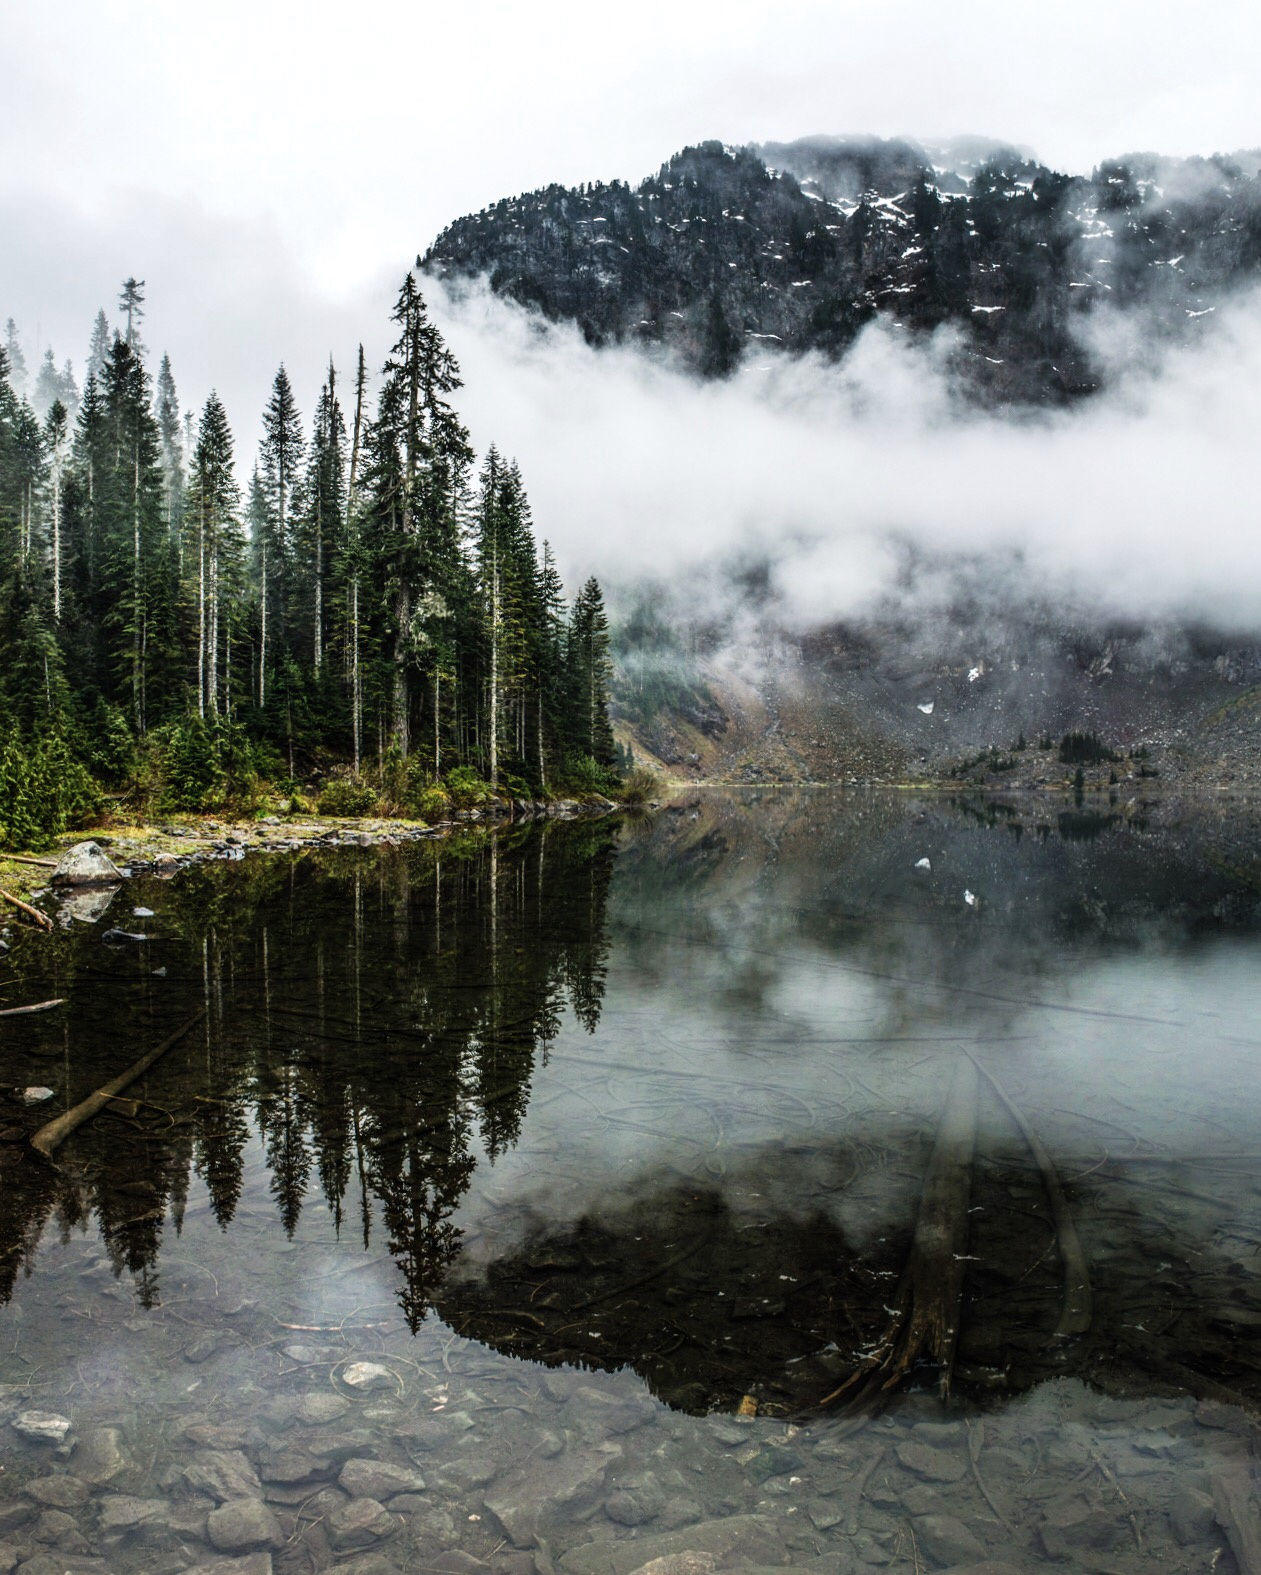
(214, 503)
(167, 411)
(132, 583)
(57, 449)
(589, 672)
(131, 305)
(281, 456)
(320, 527)
(17, 361)
(98, 345)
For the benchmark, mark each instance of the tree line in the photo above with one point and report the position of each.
(370, 599)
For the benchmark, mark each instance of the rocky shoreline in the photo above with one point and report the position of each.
(164, 849)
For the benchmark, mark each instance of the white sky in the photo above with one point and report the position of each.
(270, 169)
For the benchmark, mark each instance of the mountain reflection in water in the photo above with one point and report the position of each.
(663, 1095)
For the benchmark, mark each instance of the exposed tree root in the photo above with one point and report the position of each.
(925, 1312)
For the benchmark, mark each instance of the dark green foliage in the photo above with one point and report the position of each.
(181, 644)
(1086, 749)
(43, 791)
(465, 788)
(347, 796)
(191, 777)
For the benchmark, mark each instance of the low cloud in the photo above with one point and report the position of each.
(836, 481)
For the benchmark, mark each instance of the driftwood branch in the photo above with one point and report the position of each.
(25, 858)
(55, 1132)
(40, 920)
(38, 1006)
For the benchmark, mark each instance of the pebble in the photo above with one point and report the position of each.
(36, 1096)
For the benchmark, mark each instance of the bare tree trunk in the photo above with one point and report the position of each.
(262, 639)
(352, 528)
(201, 608)
(542, 767)
(493, 718)
(135, 592)
(319, 587)
(57, 540)
(213, 674)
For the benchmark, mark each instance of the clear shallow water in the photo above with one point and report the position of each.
(588, 1139)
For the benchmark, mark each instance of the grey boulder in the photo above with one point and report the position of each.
(86, 865)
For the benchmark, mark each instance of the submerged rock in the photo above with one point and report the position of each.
(366, 1376)
(61, 1491)
(85, 864)
(45, 1427)
(360, 1523)
(243, 1525)
(377, 1479)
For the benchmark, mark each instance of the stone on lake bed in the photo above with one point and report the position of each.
(243, 1524)
(319, 1407)
(45, 1427)
(377, 1479)
(86, 864)
(926, 1460)
(100, 1457)
(247, 1564)
(360, 1523)
(36, 1096)
(61, 1491)
(366, 1376)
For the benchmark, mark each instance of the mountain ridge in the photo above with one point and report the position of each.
(797, 246)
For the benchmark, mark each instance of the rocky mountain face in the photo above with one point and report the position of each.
(986, 703)
(796, 246)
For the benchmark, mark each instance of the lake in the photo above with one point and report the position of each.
(837, 1179)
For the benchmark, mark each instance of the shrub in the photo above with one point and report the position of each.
(640, 785)
(189, 773)
(584, 774)
(432, 803)
(466, 788)
(43, 792)
(347, 796)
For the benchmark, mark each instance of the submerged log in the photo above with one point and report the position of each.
(1077, 1305)
(55, 1132)
(36, 1006)
(925, 1313)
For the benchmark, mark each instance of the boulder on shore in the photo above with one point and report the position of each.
(85, 865)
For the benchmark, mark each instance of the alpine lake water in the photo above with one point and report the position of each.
(608, 1196)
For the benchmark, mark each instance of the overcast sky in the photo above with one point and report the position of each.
(270, 169)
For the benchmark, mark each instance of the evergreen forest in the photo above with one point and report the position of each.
(366, 616)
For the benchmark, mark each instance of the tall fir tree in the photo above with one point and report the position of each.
(281, 455)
